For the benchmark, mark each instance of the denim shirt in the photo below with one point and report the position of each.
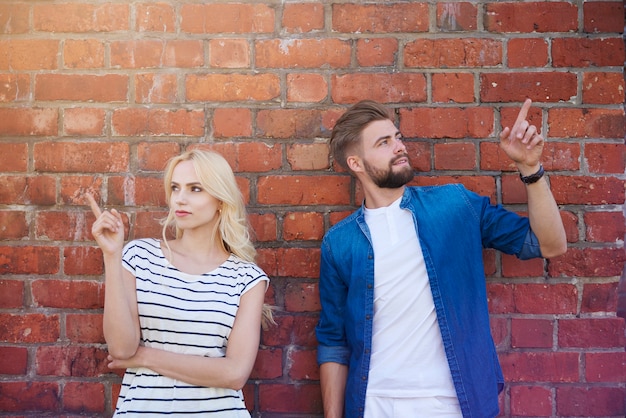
(453, 225)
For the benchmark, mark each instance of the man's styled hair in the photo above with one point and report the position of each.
(347, 131)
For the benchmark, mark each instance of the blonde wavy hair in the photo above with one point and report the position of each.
(232, 230)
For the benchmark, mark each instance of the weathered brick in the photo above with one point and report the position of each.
(231, 87)
(303, 17)
(35, 190)
(29, 396)
(605, 158)
(11, 294)
(78, 261)
(303, 190)
(83, 53)
(13, 360)
(153, 156)
(586, 52)
(83, 121)
(527, 52)
(156, 88)
(531, 401)
(551, 87)
(514, 267)
(376, 52)
(14, 18)
(233, 18)
(29, 260)
(531, 333)
(28, 122)
(158, 122)
(302, 53)
(455, 156)
(304, 398)
(603, 16)
(268, 365)
(379, 18)
(29, 328)
(587, 190)
(84, 328)
(308, 226)
(82, 87)
(303, 365)
(308, 156)
(263, 226)
(603, 88)
(536, 298)
(229, 53)
(586, 123)
(588, 262)
(605, 367)
(434, 122)
(74, 187)
(302, 296)
(453, 88)
(84, 397)
(73, 294)
(453, 53)
(13, 225)
(14, 88)
(382, 87)
(588, 401)
(500, 298)
(81, 17)
(73, 360)
(90, 157)
(452, 17)
(155, 17)
(586, 333)
(531, 17)
(306, 87)
(29, 54)
(604, 226)
(529, 366)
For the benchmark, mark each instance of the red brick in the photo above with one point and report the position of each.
(147, 224)
(155, 17)
(509, 17)
(183, 54)
(419, 155)
(605, 367)
(605, 158)
(587, 190)
(232, 122)
(588, 401)
(158, 122)
(29, 396)
(382, 87)
(604, 226)
(83, 53)
(499, 332)
(82, 261)
(229, 53)
(144, 53)
(455, 156)
(453, 53)
(83, 397)
(72, 294)
(269, 364)
(536, 298)
(297, 262)
(452, 17)
(303, 190)
(288, 123)
(586, 333)
(304, 398)
(531, 333)
(453, 88)
(603, 88)
(81, 87)
(91, 157)
(376, 52)
(136, 191)
(586, 123)
(306, 88)
(335, 217)
(535, 401)
(37, 190)
(302, 17)
(303, 365)
(73, 360)
(14, 18)
(279, 334)
(29, 328)
(29, 260)
(11, 294)
(588, 262)
(514, 267)
(248, 156)
(304, 331)
(380, 18)
(14, 87)
(599, 297)
(83, 121)
(302, 53)
(28, 122)
(153, 156)
(527, 366)
(73, 188)
(81, 17)
(84, 328)
(231, 87)
(500, 298)
(29, 54)
(527, 52)
(263, 226)
(61, 226)
(13, 360)
(603, 16)
(13, 225)
(516, 87)
(435, 122)
(156, 88)
(308, 156)
(570, 222)
(308, 226)
(233, 18)
(302, 297)
(587, 52)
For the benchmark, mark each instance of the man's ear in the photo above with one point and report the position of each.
(354, 163)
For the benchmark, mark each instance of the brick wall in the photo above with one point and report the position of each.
(96, 95)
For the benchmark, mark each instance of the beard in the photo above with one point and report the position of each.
(389, 179)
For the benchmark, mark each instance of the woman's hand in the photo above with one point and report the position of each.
(108, 229)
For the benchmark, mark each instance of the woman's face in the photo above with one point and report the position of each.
(193, 206)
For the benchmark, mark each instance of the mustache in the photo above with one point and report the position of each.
(399, 157)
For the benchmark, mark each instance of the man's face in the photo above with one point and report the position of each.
(384, 155)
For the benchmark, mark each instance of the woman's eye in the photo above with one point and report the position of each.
(196, 189)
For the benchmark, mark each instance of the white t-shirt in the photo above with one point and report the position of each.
(408, 358)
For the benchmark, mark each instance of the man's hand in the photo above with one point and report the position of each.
(522, 143)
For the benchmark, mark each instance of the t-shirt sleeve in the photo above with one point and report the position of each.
(129, 254)
(253, 276)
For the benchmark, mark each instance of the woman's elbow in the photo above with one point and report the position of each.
(238, 378)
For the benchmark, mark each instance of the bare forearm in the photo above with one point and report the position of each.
(333, 377)
(120, 322)
(545, 219)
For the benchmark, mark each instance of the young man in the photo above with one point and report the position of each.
(404, 328)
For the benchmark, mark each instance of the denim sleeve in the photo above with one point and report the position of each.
(530, 248)
(330, 330)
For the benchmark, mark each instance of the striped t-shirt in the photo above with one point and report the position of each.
(183, 313)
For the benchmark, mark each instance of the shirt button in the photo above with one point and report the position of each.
(363, 377)
(368, 316)
(369, 286)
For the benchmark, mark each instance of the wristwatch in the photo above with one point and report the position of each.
(533, 177)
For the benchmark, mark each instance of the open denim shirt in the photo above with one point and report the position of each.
(454, 225)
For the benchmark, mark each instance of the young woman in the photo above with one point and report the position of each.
(183, 316)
